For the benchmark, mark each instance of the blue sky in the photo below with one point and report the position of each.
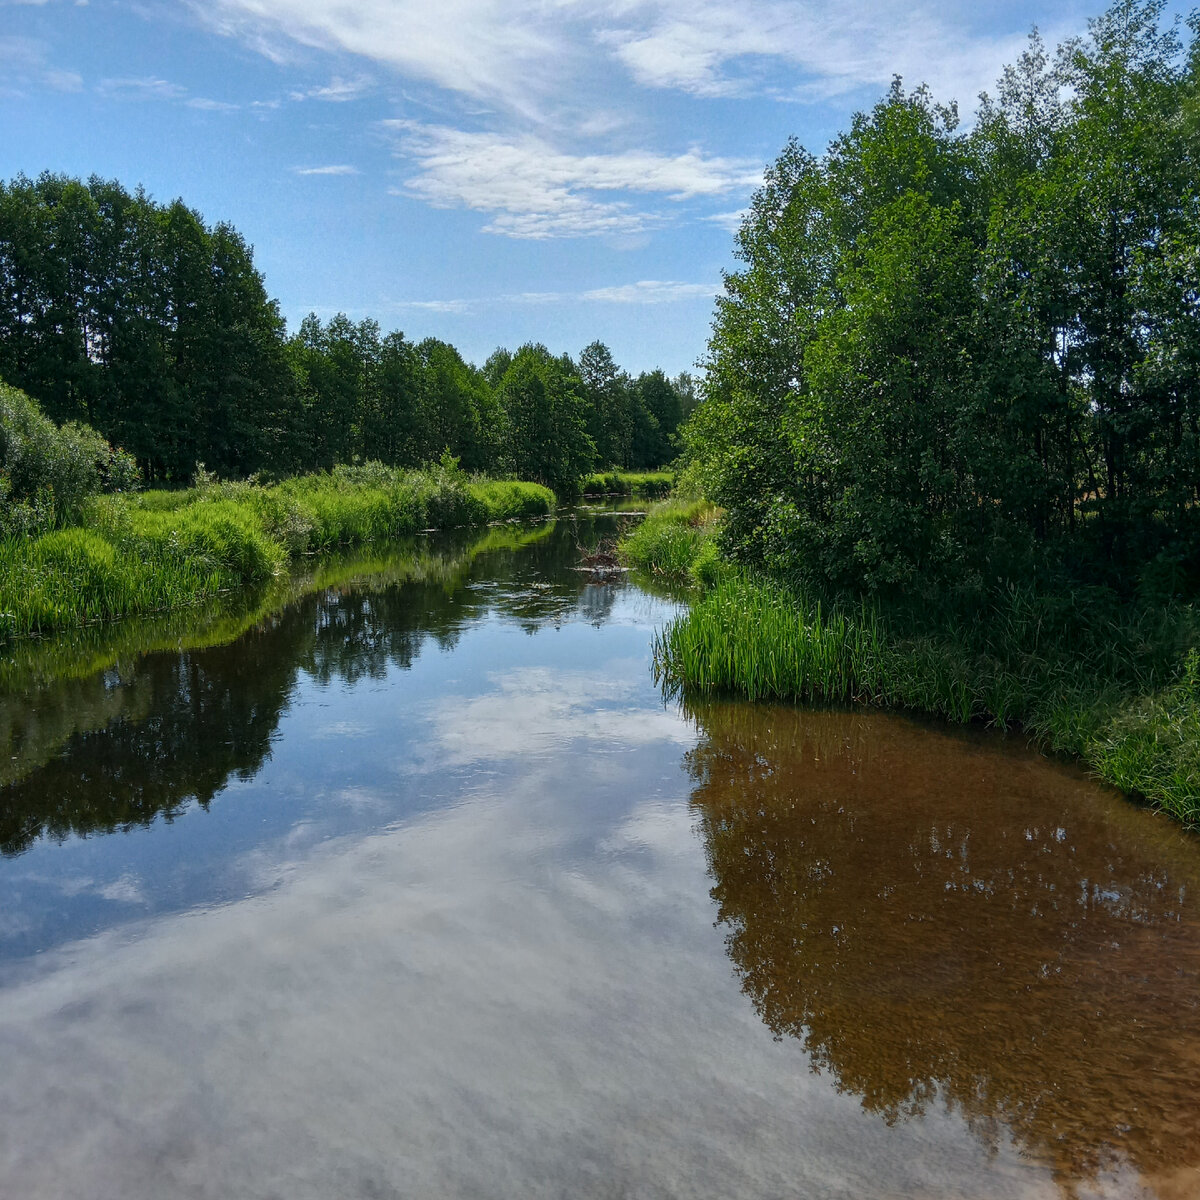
(486, 171)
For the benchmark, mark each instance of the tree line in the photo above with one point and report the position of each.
(155, 329)
(967, 354)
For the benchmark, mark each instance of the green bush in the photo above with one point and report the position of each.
(48, 472)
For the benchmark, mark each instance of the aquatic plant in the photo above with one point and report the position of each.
(675, 540)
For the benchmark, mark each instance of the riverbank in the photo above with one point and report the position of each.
(144, 553)
(1112, 681)
(646, 485)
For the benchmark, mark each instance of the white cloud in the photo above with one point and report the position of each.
(146, 88)
(24, 62)
(644, 291)
(536, 191)
(204, 104)
(487, 49)
(651, 291)
(534, 56)
(715, 48)
(729, 220)
(437, 306)
(332, 169)
(337, 90)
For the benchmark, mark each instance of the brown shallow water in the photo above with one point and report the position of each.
(937, 922)
(414, 887)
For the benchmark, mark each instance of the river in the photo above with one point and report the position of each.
(404, 881)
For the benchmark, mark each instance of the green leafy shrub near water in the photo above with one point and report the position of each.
(49, 472)
(155, 551)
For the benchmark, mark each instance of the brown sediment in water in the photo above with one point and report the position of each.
(938, 922)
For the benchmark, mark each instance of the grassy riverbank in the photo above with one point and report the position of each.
(1112, 681)
(648, 485)
(138, 554)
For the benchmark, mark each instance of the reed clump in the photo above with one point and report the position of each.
(676, 541)
(154, 551)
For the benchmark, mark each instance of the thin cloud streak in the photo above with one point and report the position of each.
(332, 169)
(644, 291)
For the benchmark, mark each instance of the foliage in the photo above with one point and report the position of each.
(961, 357)
(651, 485)
(546, 419)
(48, 472)
(159, 550)
(156, 329)
(676, 540)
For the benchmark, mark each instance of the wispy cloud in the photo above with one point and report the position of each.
(644, 291)
(529, 56)
(502, 53)
(728, 220)
(337, 90)
(332, 169)
(25, 62)
(651, 291)
(717, 48)
(148, 87)
(204, 104)
(536, 191)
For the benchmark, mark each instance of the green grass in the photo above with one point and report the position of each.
(648, 485)
(1112, 681)
(676, 541)
(157, 551)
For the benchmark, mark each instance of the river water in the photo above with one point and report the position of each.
(404, 881)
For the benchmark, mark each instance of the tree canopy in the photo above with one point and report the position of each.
(963, 354)
(156, 330)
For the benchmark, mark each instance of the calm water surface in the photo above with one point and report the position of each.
(404, 882)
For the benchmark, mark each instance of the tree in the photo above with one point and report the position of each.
(546, 420)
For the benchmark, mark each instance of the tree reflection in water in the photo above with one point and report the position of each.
(939, 921)
(96, 751)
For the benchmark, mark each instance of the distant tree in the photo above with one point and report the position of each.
(546, 419)
(609, 416)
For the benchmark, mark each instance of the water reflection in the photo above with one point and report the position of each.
(89, 751)
(937, 922)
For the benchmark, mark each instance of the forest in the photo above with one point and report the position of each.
(155, 329)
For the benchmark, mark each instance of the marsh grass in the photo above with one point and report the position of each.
(153, 552)
(1112, 681)
(648, 485)
(676, 541)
